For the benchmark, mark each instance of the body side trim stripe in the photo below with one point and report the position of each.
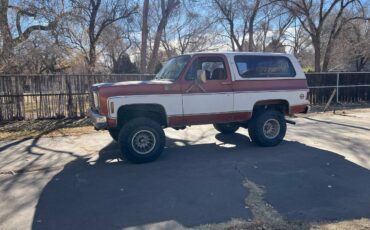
(208, 93)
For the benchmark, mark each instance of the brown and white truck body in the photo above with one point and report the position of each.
(225, 89)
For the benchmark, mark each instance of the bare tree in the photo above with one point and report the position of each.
(42, 54)
(271, 29)
(115, 42)
(167, 8)
(298, 39)
(361, 45)
(352, 47)
(188, 31)
(239, 19)
(313, 15)
(96, 16)
(253, 15)
(39, 11)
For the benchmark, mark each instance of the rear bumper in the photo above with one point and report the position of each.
(99, 121)
(299, 109)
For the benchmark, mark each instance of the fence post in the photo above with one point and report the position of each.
(337, 87)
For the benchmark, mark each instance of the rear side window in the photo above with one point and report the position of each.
(264, 66)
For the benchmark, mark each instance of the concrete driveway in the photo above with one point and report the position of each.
(320, 173)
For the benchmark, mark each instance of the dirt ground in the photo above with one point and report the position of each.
(17, 130)
(65, 175)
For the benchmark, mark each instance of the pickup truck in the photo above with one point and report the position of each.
(229, 90)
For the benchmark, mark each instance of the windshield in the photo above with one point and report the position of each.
(172, 69)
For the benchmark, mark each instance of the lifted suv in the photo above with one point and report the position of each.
(229, 90)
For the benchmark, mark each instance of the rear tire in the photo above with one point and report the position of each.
(267, 128)
(226, 128)
(141, 140)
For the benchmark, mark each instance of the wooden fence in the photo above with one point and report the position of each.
(59, 96)
(50, 96)
(350, 87)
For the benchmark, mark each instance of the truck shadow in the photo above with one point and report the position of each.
(197, 184)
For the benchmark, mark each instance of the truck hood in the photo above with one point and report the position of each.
(134, 88)
(131, 83)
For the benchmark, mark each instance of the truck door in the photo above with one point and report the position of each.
(212, 100)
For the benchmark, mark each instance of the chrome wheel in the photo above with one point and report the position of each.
(271, 128)
(143, 141)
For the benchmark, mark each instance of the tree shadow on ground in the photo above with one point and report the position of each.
(198, 184)
(338, 124)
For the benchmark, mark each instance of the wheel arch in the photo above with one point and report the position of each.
(281, 105)
(153, 111)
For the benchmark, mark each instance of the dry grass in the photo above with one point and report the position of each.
(360, 224)
(265, 217)
(237, 224)
(341, 107)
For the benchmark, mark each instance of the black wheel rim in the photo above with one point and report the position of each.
(143, 142)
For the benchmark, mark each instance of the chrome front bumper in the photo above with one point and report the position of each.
(99, 121)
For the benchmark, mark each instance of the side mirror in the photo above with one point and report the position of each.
(201, 76)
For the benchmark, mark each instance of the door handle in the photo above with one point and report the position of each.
(226, 83)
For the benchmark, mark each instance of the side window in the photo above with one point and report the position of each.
(264, 66)
(214, 67)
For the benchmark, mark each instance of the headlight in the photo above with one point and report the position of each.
(96, 99)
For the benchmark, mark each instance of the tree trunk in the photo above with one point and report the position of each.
(92, 59)
(336, 28)
(317, 50)
(7, 59)
(251, 26)
(144, 37)
(8, 45)
(153, 57)
(158, 35)
(360, 63)
(250, 39)
(92, 36)
(327, 54)
(166, 11)
(232, 44)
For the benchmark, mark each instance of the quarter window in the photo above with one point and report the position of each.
(264, 66)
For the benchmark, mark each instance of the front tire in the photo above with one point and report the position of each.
(114, 133)
(141, 140)
(226, 128)
(267, 128)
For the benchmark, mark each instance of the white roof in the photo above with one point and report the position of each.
(238, 53)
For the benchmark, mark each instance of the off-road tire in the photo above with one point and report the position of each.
(114, 133)
(130, 142)
(257, 127)
(226, 128)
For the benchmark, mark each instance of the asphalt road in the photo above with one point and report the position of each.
(320, 173)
